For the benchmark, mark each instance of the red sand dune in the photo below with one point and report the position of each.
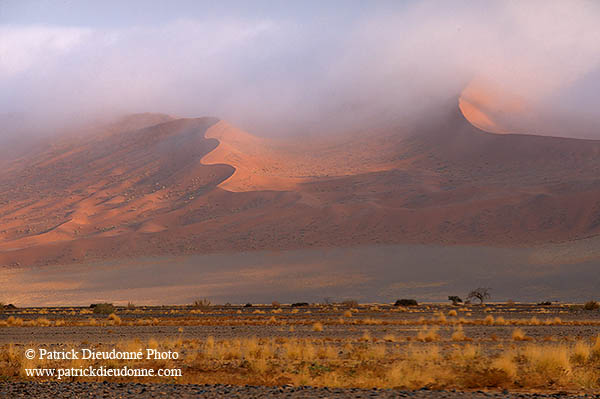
(152, 185)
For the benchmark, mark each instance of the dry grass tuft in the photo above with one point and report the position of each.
(519, 335)
(459, 334)
(114, 320)
(428, 334)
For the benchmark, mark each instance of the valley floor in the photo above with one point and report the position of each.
(333, 350)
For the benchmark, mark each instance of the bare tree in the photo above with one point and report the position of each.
(480, 293)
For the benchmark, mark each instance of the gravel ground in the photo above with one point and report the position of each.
(132, 390)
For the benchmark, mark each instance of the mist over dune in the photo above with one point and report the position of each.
(215, 131)
(158, 185)
(306, 69)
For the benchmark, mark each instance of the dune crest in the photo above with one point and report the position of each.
(283, 164)
(258, 166)
(491, 109)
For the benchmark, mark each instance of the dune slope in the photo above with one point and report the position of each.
(200, 185)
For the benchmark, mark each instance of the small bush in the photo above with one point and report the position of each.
(201, 303)
(406, 302)
(299, 304)
(455, 299)
(114, 319)
(591, 305)
(428, 335)
(350, 303)
(103, 308)
(248, 305)
(10, 306)
(459, 334)
(519, 335)
(544, 303)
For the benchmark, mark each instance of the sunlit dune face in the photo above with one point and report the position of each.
(489, 108)
(477, 117)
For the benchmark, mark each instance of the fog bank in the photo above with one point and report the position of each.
(278, 69)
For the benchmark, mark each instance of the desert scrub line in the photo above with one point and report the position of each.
(88, 354)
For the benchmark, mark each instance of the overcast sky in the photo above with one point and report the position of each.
(283, 67)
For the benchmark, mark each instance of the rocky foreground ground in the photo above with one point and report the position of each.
(134, 390)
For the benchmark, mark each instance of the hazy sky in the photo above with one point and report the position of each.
(280, 67)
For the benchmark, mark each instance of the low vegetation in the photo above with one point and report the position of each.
(480, 294)
(406, 302)
(456, 300)
(497, 346)
(202, 304)
(278, 361)
(103, 308)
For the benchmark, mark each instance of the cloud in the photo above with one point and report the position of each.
(21, 48)
(274, 74)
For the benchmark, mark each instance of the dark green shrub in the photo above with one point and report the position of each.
(406, 302)
(103, 308)
(455, 299)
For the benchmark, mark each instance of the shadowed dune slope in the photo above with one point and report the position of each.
(186, 186)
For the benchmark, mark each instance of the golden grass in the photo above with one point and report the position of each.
(113, 319)
(428, 334)
(519, 335)
(364, 363)
(458, 334)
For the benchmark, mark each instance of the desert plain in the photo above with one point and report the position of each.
(314, 350)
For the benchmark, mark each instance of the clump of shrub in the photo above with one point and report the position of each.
(406, 302)
(455, 299)
(201, 304)
(519, 335)
(299, 304)
(544, 303)
(350, 303)
(248, 305)
(113, 319)
(103, 308)
(4, 307)
(428, 334)
(591, 305)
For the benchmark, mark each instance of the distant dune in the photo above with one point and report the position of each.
(152, 184)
